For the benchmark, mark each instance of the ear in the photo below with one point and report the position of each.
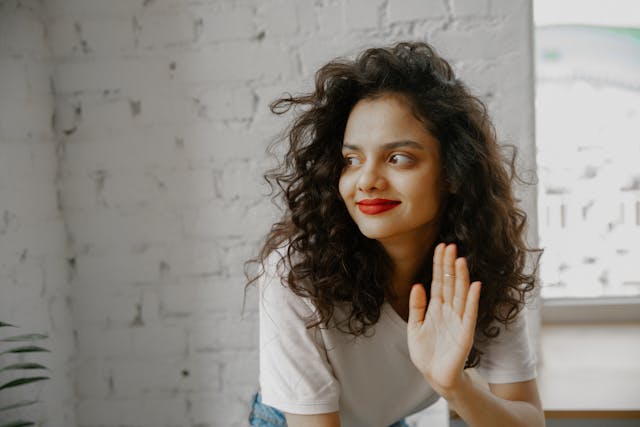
(448, 187)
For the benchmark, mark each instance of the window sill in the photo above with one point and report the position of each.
(590, 370)
(591, 310)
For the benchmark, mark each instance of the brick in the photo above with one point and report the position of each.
(104, 343)
(159, 341)
(239, 64)
(201, 296)
(93, 9)
(26, 121)
(38, 74)
(242, 180)
(166, 30)
(102, 231)
(26, 161)
(207, 407)
(222, 219)
(128, 74)
(313, 56)
(216, 332)
(227, 23)
(13, 84)
(205, 144)
(240, 369)
(511, 7)
(331, 19)
(182, 188)
(306, 17)
(278, 18)
(119, 267)
(80, 193)
(93, 379)
(58, 395)
(267, 94)
(23, 31)
(413, 10)
(128, 190)
(235, 255)
(488, 43)
(189, 258)
(29, 311)
(362, 14)
(147, 411)
(63, 37)
(151, 149)
(90, 115)
(152, 376)
(31, 198)
(223, 103)
(44, 237)
(475, 8)
(183, 297)
(90, 37)
(203, 373)
(163, 108)
(117, 306)
(107, 114)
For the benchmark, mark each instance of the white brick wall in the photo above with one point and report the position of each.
(161, 113)
(34, 289)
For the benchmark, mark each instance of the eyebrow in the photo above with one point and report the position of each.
(389, 145)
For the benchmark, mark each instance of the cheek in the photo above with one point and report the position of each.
(427, 191)
(344, 187)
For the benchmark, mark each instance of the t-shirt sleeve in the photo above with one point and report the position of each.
(509, 357)
(295, 374)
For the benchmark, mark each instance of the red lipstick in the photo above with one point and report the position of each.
(376, 206)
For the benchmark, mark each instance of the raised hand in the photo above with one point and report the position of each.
(440, 340)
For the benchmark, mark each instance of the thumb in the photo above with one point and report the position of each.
(417, 306)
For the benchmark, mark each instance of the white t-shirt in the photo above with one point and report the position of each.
(369, 379)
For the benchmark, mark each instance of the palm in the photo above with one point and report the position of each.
(439, 341)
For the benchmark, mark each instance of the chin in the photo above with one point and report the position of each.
(374, 233)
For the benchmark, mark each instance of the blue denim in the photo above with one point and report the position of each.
(265, 416)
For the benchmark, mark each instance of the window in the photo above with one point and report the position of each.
(588, 142)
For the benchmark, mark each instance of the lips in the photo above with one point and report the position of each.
(376, 206)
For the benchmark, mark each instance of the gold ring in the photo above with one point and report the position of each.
(449, 275)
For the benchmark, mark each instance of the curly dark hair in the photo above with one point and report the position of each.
(328, 259)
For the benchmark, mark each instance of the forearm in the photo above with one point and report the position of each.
(318, 420)
(479, 407)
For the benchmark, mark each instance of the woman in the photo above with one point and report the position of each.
(396, 197)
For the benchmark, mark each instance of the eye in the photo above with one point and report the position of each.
(351, 161)
(400, 159)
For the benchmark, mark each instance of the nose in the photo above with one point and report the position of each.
(371, 178)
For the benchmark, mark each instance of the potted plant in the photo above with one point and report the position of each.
(19, 345)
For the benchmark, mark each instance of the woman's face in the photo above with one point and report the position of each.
(392, 182)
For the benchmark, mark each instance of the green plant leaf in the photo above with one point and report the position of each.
(25, 349)
(19, 424)
(18, 405)
(22, 381)
(25, 365)
(2, 324)
(26, 337)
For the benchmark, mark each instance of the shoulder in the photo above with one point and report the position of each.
(275, 294)
(509, 357)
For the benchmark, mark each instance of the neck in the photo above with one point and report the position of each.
(408, 255)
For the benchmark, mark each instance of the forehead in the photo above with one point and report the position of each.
(383, 119)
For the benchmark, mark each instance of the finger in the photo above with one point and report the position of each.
(462, 286)
(436, 274)
(471, 307)
(449, 273)
(417, 306)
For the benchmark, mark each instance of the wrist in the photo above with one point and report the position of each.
(456, 392)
